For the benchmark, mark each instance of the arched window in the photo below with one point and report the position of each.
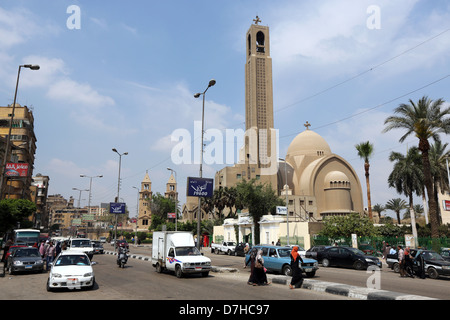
(260, 42)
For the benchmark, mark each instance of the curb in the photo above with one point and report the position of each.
(354, 292)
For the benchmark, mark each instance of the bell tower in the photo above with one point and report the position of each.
(259, 97)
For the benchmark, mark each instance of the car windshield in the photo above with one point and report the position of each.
(230, 243)
(356, 251)
(27, 252)
(187, 251)
(431, 255)
(72, 260)
(283, 253)
(81, 243)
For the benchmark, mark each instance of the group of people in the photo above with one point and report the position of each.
(406, 261)
(49, 250)
(258, 275)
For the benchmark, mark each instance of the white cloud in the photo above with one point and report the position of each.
(72, 92)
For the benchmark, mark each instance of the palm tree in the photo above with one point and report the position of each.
(365, 151)
(438, 162)
(396, 205)
(425, 120)
(379, 208)
(407, 178)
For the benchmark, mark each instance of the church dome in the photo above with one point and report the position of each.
(308, 143)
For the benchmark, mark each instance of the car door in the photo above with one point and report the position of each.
(333, 256)
(271, 260)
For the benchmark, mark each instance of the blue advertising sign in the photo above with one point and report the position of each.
(117, 207)
(199, 187)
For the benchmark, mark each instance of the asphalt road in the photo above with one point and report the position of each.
(389, 280)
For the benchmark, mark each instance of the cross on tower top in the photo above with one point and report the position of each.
(307, 125)
(257, 20)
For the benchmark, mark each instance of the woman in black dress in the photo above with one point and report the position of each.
(297, 276)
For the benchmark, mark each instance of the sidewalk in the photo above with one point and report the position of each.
(354, 292)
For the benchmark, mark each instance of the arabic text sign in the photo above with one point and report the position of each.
(117, 207)
(199, 187)
(16, 169)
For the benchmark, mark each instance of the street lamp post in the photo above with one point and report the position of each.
(8, 138)
(90, 188)
(287, 201)
(79, 197)
(176, 200)
(118, 190)
(211, 83)
(137, 216)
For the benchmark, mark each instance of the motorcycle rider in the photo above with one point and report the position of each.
(122, 252)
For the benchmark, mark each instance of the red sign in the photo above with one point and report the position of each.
(171, 215)
(16, 169)
(446, 205)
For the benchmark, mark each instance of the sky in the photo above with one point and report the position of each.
(123, 74)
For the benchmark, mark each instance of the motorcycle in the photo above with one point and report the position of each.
(122, 257)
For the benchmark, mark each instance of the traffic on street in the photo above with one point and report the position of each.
(227, 280)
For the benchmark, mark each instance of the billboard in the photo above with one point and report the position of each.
(16, 170)
(446, 205)
(117, 207)
(199, 187)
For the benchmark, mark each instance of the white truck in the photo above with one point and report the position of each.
(176, 251)
(226, 247)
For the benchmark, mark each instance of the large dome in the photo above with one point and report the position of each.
(308, 143)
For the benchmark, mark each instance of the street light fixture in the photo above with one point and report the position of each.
(118, 190)
(211, 83)
(286, 191)
(79, 197)
(90, 188)
(8, 138)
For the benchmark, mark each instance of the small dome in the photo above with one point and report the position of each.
(308, 143)
(336, 179)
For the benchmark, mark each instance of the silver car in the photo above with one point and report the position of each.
(25, 259)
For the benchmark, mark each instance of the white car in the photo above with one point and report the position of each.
(72, 270)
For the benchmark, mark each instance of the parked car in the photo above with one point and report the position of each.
(12, 248)
(348, 257)
(445, 253)
(98, 247)
(103, 239)
(24, 259)
(226, 247)
(316, 252)
(277, 259)
(72, 270)
(435, 264)
(239, 250)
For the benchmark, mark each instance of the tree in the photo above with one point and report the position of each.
(259, 199)
(438, 163)
(160, 207)
(425, 120)
(365, 151)
(396, 205)
(407, 178)
(379, 208)
(13, 211)
(336, 227)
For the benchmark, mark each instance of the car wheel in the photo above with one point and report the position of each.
(91, 287)
(396, 267)
(48, 286)
(158, 267)
(310, 274)
(358, 265)
(178, 271)
(432, 273)
(325, 262)
(287, 270)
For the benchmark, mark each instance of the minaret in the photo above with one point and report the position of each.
(259, 96)
(145, 197)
